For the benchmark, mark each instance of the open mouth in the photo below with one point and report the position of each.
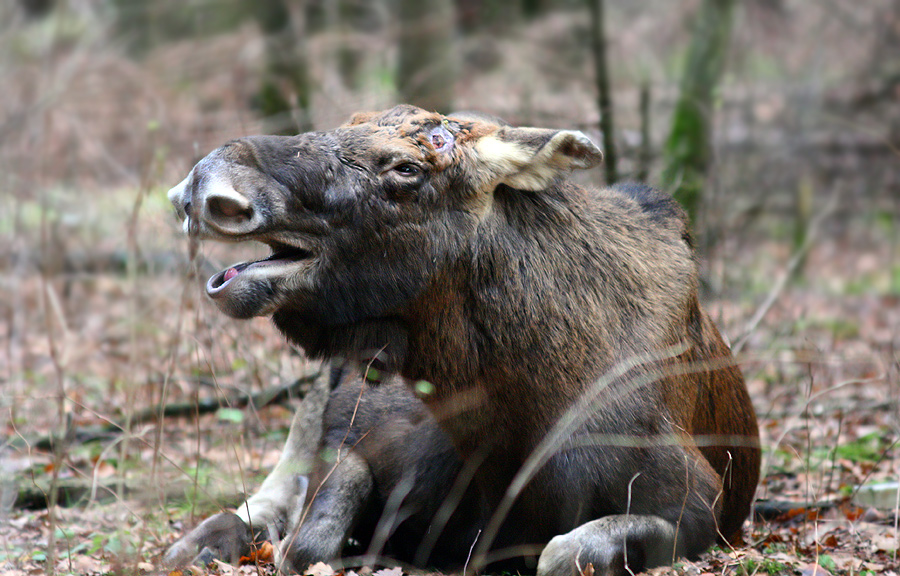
(281, 255)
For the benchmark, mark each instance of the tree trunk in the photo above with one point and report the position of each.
(688, 149)
(604, 101)
(284, 94)
(491, 16)
(645, 154)
(427, 65)
(354, 19)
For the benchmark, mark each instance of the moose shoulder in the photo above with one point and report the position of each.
(580, 407)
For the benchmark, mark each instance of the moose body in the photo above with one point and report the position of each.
(579, 407)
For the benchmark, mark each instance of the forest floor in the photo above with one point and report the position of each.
(95, 347)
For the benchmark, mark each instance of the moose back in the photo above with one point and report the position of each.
(553, 391)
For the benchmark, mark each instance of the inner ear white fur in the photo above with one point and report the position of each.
(524, 165)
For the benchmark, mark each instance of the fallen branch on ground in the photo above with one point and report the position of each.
(277, 394)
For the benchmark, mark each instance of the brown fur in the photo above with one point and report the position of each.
(558, 325)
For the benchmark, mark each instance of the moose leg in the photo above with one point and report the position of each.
(610, 544)
(320, 534)
(227, 536)
(222, 536)
(674, 504)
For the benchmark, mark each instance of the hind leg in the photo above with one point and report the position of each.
(668, 509)
(610, 544)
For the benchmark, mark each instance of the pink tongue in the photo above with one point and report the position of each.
(230, 273)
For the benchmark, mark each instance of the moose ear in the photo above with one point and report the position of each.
(531, 158)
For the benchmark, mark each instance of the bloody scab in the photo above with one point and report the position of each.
(441, 139)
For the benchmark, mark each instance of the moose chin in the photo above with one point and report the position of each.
(552, 394)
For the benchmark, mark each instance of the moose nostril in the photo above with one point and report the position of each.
(229, 208)
(187, 209)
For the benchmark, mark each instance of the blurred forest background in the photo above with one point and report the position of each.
(130, 408)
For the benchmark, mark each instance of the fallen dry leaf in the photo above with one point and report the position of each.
(883, 543)
(813, 570)
(221, 568)
(847, 562)
(319, 569)
(263, 554)
(830, 540)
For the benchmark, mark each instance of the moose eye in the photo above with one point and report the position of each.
(407, 170)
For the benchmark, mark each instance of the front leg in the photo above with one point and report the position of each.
(334, 509)
(616, 545)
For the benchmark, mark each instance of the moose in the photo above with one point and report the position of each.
(551, 393)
